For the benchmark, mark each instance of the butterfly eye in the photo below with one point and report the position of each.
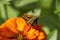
(29, 17)
(26, 18)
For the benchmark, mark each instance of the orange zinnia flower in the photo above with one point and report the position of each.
(13, 27)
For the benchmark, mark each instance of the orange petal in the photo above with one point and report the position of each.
(36, 33)
(31, 34)
(26, 29)
(41, 36)
(8, 29)
(20, 24)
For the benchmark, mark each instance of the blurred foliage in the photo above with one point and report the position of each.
(53, 35)
(48, 10)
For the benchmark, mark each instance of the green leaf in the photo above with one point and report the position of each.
(20, 3)
(36, 12)
(5, 1)
(46, 3)
(11, 12)
(46, 29)
(2, 11)
(58, 4)
(57, 11)
(53, 35)
(49, 19)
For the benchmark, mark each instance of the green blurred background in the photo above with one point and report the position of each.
(48, 10)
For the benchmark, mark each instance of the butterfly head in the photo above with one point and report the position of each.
(30, 18)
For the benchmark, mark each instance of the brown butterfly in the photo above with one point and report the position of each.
(31, 19)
